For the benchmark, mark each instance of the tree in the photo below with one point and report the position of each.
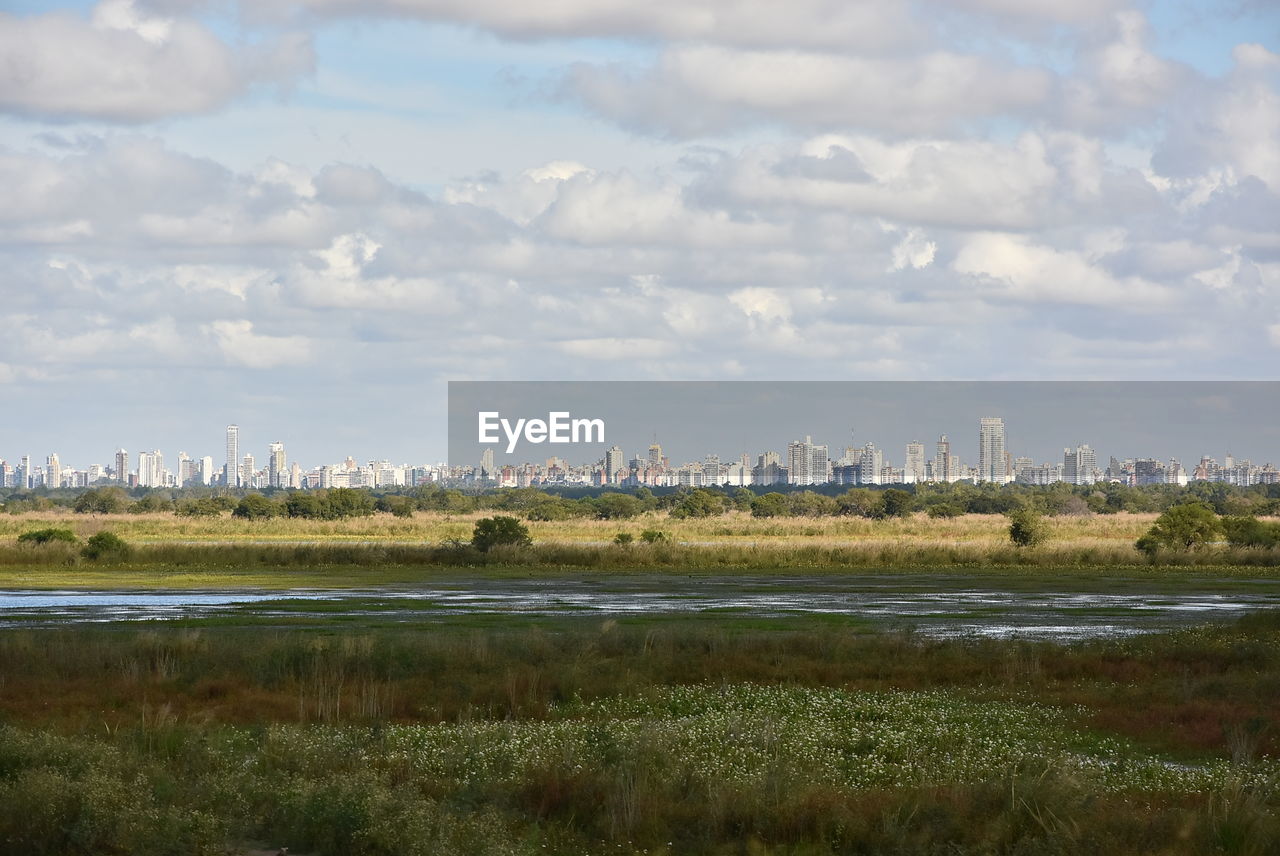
(1250, 532)
(255, 506)
(654, 536)
(897, 503)
(807, 503)
(771, 504)
(1027, 528)
(699, 502)
(499, 531)
(1182, 527)
(617, 506)
(860, 502)
(105, 500)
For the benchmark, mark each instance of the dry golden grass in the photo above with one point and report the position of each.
(736, 528)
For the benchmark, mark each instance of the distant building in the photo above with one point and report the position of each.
(1079, 465)
(915, 471)
(231, 470)
(991, 459)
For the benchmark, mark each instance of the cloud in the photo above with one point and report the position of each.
(242, 346)
(126, 67)
(701, 89)
(1018, 269)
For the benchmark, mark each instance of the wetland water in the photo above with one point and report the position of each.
(937, 605)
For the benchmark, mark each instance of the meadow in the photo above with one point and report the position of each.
(632, 736)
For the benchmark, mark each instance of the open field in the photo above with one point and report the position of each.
(577, 736)
(735, 528)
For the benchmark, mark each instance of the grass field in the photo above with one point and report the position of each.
(735, 528)
(575, 736)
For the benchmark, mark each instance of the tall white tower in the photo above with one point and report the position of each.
(231, 472)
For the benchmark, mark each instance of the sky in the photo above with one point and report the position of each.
(307, 216)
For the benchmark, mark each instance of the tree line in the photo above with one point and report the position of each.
(936, 500)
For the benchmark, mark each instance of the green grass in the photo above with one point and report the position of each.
(719, 735)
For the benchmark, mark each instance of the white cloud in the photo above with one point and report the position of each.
(699, 89)
(1025, 271)
(124, 66)
(618, 348)
(240, 345)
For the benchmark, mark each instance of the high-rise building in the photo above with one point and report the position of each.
(655, 455)
(248, 471)
(487, 471)
(614, 463)
(151, 469)
(188, 470)
(807, 462)
(870, 462)
(122, 466)
(275, 465)
(53, 472)
(711, 470)
(1078, 465)
(942, 461)
(769, 469)
(295, 476)
(206, 470)
(231, 470)
(991, 462)
(914, 471)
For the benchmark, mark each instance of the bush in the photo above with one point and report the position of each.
(624, 539)
(1027, 528)
(1250, 532)
(105, 546)
(769, 505)
(255, 506)
(1182, 527)
(499, 531)
(945, 510)
(48, 536)
(654, 536)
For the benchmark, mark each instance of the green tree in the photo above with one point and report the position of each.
(205, 506)
(771, 504)
(654, 536)
(860, 502)
(1027, 528)
(499, 531)
(1250, 532)
(255, 506)
(896, 502)
(617, 506)
(1182, 527)
(699, 502)
(807, 503)
(152, 503)
(103, 500)
(344, 502)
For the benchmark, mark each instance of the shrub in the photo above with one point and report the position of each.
(48, 536)
(623, 539)
(769, 505)
(1027, 528)
(945, 510)
(255, 506)
(1250, 532)
(105, 546)
(1182, 527)
(499, 532)
(654, 536)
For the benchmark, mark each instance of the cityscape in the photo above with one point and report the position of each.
(802, 462)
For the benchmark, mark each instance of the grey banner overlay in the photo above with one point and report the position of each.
(692, 419)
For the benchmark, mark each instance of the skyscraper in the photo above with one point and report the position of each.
(807, 462)
(1078, 465)
(276, 475)
(870, 461)
(942, 460)
(231, 471)
(53, 472)
(613, 464)
(486, 464)
(991, 462)
(914, 471)
(122, 466)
